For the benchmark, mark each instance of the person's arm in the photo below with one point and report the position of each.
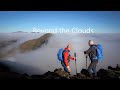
(72, 58)
(88, 51)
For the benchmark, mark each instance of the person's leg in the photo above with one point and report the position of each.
(94, 68)
(90, 69)
(65, 68)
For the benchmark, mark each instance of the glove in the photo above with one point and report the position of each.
(84, 52)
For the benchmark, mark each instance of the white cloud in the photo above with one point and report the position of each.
(45, 58)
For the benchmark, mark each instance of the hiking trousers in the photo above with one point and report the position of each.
(65, 68)
(92, 68)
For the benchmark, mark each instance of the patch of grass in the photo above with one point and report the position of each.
(35, 43)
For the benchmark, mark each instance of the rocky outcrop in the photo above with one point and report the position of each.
(6, 73)
(35, 43)
(25, 46)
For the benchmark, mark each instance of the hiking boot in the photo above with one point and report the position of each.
(94, 76)
(69, 75)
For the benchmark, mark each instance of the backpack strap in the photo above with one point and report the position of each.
(66, 51)
(95, 57)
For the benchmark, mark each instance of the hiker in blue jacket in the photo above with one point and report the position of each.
(92, 53)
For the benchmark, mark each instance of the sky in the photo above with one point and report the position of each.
(98, 21)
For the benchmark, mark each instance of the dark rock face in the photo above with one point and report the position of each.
(80, 76)
(4, 68)
(7, 74)
(61, 73)
(36, 77)
(108, 74)
(85, 72)
(116, 69)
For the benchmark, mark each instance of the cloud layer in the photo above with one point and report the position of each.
(45, 58)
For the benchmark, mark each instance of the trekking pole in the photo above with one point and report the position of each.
(75, 62)
(86, 62)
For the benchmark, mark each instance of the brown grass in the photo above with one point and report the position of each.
(35, 43)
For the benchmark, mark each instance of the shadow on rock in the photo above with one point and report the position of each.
(85, 72)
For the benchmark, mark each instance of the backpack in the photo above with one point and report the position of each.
(60, 54)
(99, 50)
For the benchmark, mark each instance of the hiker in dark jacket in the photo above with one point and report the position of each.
(92, 53)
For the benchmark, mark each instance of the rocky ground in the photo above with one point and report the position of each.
(111, 73)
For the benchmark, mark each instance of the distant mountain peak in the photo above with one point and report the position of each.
(35, 43)
(19, 32)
